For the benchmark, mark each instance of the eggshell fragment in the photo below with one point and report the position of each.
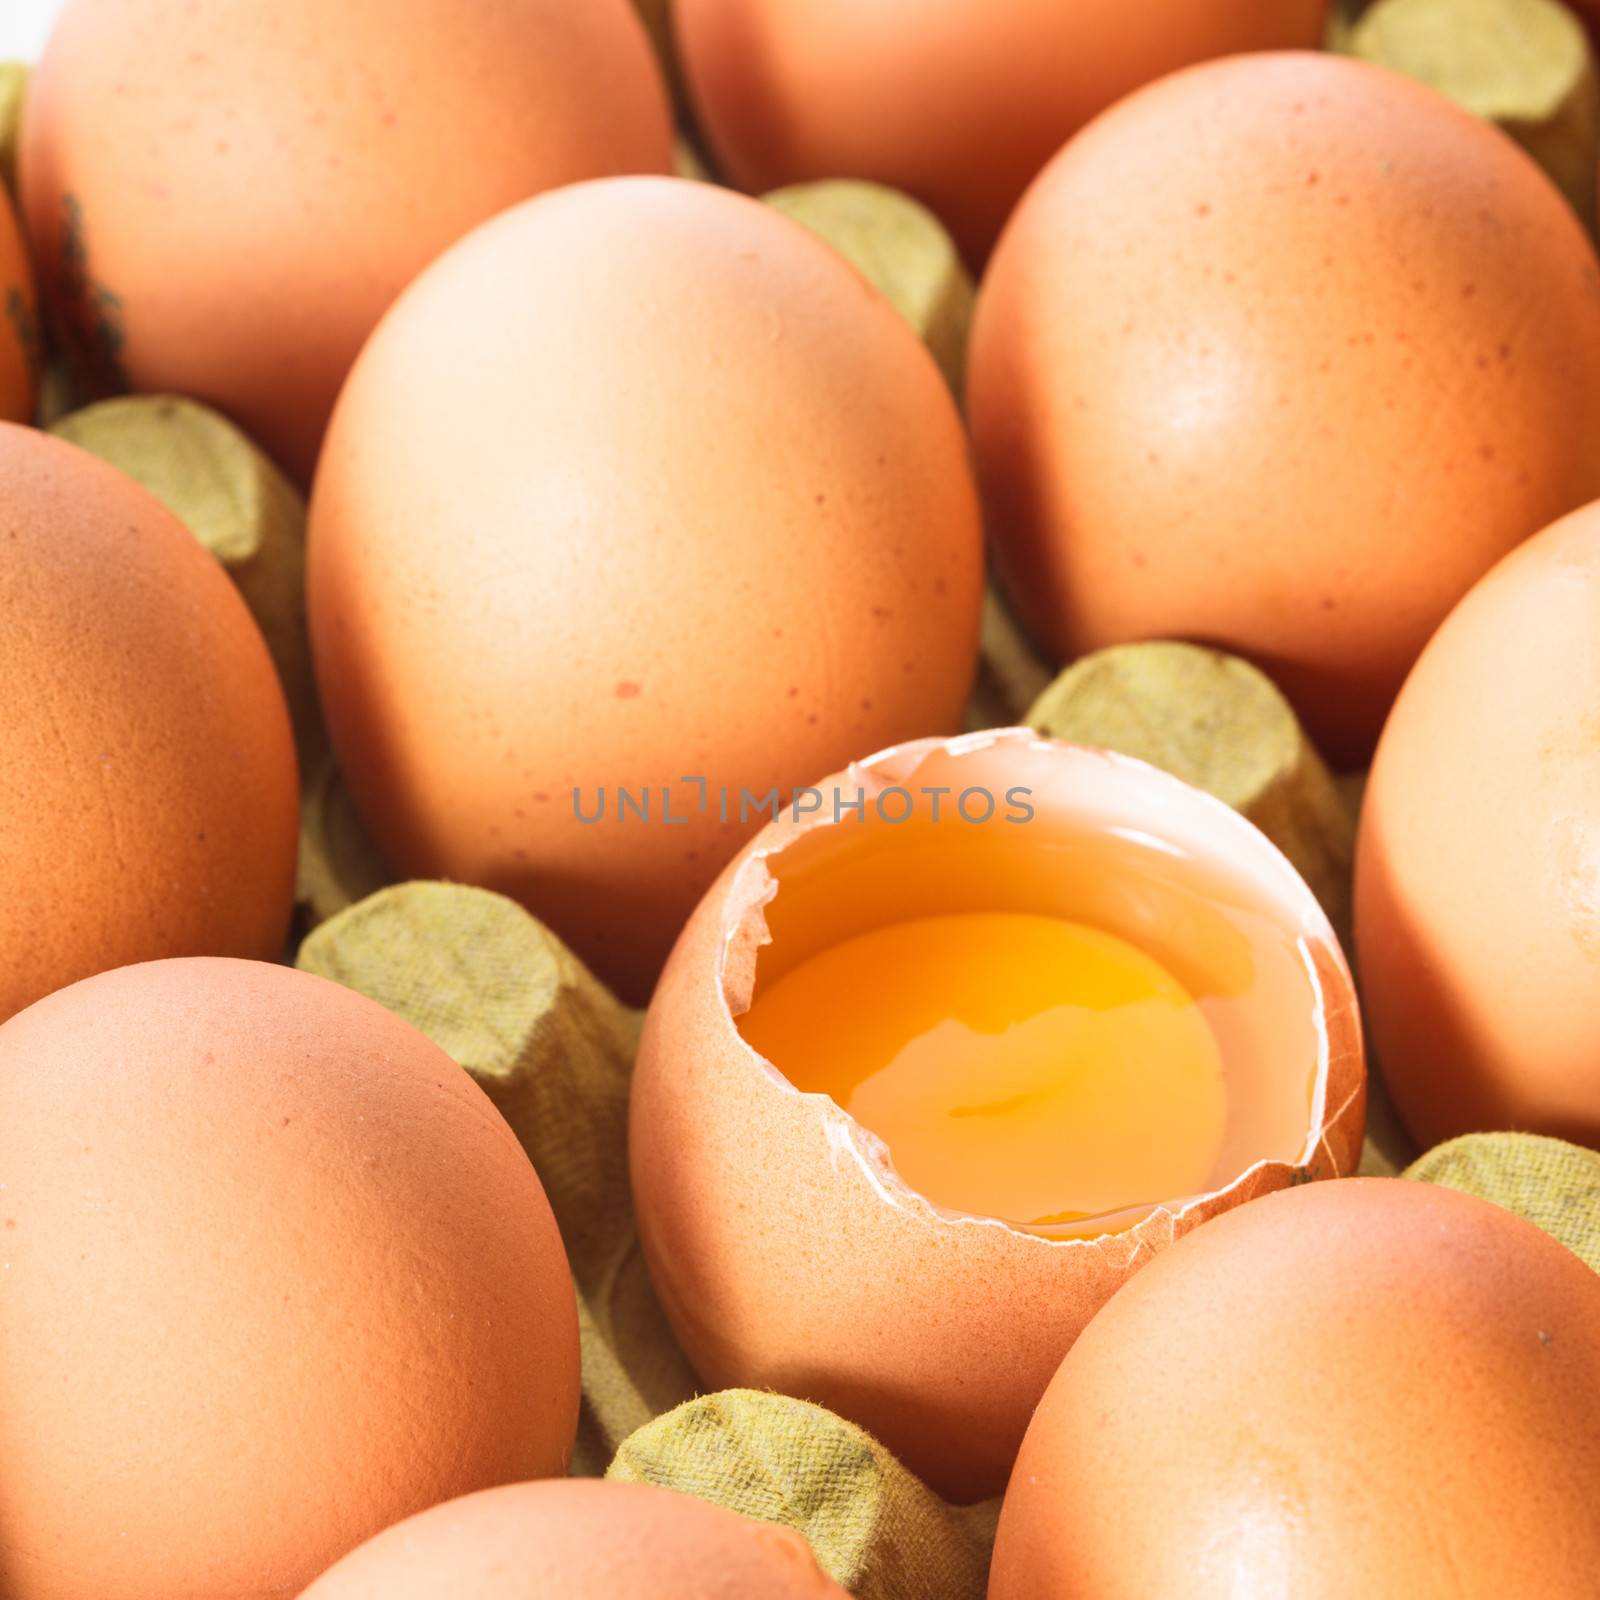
(1526, 65)
(554, 1052)
(696, 518)
(960, 103)
(902, 248)
(581, 1541)
(787, 1252)
(276, 1274)
(21, 351)
(224, 199)
(148, 789)
(1219, 724)
(236, 503)
(1477, 917)
(1280, 356)
(1358, 1388)
(874, 1527)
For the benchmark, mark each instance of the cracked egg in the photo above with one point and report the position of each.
(953, 1046)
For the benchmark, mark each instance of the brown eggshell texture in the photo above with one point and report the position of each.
(19, 321)
(694, 502)
(1478, 864)
(1282, 354)
(254, 181)
(276, 1275)
(1371, 1387)
(580, 1540)
(148, 802)
(788, 1255)
(959, 102)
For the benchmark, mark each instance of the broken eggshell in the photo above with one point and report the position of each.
(788, 1253)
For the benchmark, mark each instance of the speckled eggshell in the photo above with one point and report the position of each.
(19, 322)
(1281, 355)
(580, 1540)
(1363, 1388)
(148, 799)
(1478, 861)
(224, 198)
(786, 1258)
(276, 1275)
(958, 102)
(695, 502)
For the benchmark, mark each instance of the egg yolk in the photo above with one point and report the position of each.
(1017, 1066)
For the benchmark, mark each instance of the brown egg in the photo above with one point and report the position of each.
(224, 198)
(1361, 1388)
(789, 1250)
(958, 102)
(692, 516)
(148, 805)
(1282, 355)
(1478, 863)
(19, 322)
(582, 1540)
(276, 1275)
